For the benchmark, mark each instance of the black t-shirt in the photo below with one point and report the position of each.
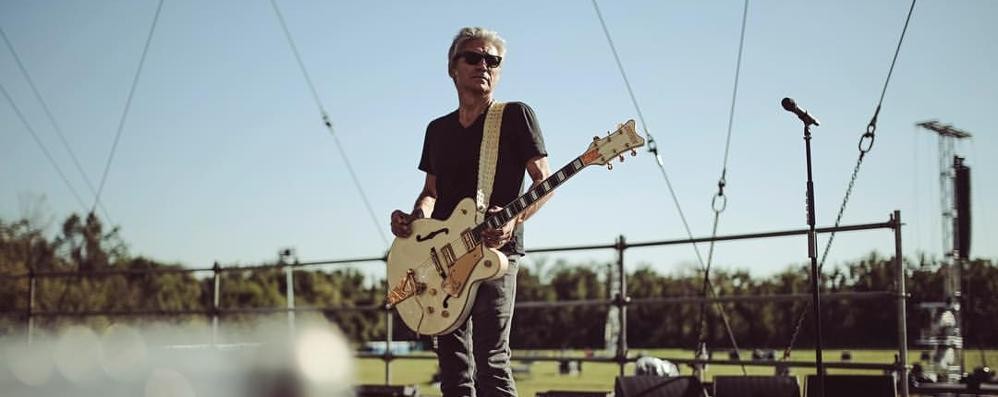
(450, 152)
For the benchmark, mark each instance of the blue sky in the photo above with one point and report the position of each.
(223, 155)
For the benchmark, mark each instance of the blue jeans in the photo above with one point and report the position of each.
(479, 365)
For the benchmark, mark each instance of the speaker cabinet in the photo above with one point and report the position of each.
(853, 385)
(657, 386)
(387, 391)
(574, 393)
(756, 386)
(961, 193)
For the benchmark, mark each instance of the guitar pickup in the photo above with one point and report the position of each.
(435, 257)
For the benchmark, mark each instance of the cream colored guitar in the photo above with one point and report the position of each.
(435, 272)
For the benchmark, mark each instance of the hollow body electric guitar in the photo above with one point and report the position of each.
(435, 272)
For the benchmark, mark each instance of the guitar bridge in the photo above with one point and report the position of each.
(405, 289)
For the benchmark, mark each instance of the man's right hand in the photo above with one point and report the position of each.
(402, 222)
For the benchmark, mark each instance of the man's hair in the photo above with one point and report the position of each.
(474, 33)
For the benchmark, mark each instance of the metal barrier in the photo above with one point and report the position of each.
(621, 300)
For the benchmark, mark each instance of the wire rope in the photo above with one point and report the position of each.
(329, 125)
(128, 106)
(55, 125)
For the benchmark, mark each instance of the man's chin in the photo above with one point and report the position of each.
(480, 89)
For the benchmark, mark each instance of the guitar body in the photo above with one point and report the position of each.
(439, 269)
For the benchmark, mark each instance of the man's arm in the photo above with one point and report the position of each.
(427, 198)
(401, 221)
(538, 170)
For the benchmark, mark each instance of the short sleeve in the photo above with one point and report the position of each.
(425, 163)
(530, 139)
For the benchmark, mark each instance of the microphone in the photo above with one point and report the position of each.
(791, 107)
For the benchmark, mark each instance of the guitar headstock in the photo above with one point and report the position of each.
(604, 150)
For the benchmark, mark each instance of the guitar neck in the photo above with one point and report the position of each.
(514, 208)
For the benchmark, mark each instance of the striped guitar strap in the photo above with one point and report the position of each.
(487, 157)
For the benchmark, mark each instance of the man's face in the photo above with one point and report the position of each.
(477, 77)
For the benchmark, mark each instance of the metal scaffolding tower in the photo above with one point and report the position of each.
(943, 334)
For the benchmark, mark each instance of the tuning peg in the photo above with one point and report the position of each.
(621, 158)
(634, 152)
(608, 136)
(595, 137)
(609, 166)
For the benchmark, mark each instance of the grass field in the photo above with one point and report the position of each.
(544, 376)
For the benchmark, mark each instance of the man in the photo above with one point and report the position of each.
(474, 359)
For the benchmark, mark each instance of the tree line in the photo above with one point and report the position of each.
(88, 261)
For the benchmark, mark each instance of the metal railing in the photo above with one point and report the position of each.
(621, 301)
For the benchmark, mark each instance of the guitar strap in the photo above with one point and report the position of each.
(487, 157)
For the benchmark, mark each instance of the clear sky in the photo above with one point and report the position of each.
(223, 155)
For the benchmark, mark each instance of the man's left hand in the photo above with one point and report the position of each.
(495, 238)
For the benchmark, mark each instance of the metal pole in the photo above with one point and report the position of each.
(902, 306)
(812, 251)
(289, 292)
(215, 302)
(621, 302)
(388, 331)
(31, 304)
(388, 345)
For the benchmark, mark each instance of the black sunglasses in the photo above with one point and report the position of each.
(474, 58)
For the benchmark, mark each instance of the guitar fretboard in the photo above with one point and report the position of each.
(514, 208)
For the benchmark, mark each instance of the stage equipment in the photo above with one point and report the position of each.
(387, 391)
(812, 237)
(961, 196)
(756, 386)
(791, 106)
(853, 385)
(657, 386)
(574, 393)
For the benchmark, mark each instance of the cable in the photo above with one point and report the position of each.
(720, 197)
(128, 105)
(328, 123)
(42, 146)
(734, 92)
(916, 154)
(55, 125)
(865, 145)
(870, 131)
(651, 141)
(652, 147)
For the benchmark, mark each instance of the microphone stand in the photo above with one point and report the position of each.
(812, 252)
